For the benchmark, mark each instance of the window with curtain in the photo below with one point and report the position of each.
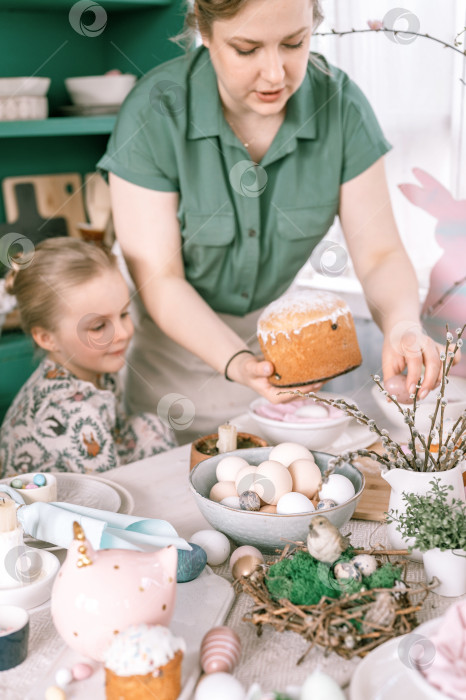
(417, 88)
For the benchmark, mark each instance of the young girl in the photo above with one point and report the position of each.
(68, 416)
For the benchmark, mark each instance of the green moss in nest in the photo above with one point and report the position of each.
(384, 577)
(304, 581)
(279, 587)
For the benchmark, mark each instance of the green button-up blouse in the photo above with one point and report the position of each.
(247, 228)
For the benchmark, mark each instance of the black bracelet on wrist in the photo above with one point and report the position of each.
(240, 352)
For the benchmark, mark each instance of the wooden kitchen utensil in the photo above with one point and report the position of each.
(57, 196)
(29, 223)
(97, 200)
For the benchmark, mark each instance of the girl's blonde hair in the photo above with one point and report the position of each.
(58, 265)
(203, 13)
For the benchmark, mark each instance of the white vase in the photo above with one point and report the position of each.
(406, 481)
(449, 567)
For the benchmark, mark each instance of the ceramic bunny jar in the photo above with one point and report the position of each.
(450, 234)
(97, 594)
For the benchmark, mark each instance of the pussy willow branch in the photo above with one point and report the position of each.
(439, 302)
(385, 30)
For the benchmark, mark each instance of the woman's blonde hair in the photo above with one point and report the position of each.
(202, 14)
(57, 265)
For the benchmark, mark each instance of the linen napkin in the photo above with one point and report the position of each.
(53, 522)
(447, 672)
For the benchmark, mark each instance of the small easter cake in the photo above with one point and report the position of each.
(143, 662)
(309, 336)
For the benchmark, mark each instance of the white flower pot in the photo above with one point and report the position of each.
(449, 567)
(405, 481)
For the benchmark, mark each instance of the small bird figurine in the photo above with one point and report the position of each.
(324, 541)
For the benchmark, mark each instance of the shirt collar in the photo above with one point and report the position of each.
(205, 109)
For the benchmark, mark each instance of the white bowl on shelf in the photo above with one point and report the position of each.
(30, 86)
(267, 531)
(314, 435)
(100, 89)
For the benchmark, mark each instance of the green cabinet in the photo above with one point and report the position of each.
(18, 359)
(37, 38)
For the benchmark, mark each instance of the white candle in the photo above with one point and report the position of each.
(7, 515)
(11, 538)
(227, 435)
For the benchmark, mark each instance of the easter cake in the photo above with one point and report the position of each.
(309, 336)
(143, 662)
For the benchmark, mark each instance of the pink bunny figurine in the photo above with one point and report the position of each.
(450, 234)
(98, 594)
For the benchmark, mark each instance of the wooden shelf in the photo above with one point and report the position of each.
(59, 126)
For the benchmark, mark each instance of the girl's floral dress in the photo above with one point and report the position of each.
(58, 422)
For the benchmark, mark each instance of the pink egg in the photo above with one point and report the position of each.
(31, 486)
(81, 671)
(220, 650)
(397, 386)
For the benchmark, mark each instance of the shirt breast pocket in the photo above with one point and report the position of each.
(207, 248)
(307, 224)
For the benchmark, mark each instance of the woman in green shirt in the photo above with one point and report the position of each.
(227, 167)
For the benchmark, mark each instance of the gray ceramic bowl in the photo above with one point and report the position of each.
(267, 531)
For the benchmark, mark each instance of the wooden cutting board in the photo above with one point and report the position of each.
(27, 226)
(374, 500)
(56, 196)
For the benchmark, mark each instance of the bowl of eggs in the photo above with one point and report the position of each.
(455, 393)
(267, 496)
(306, 421)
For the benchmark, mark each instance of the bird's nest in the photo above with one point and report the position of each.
(351, 624)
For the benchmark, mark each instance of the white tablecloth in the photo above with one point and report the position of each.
(160, 489)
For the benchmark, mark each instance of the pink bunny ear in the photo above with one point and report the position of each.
(434, 198)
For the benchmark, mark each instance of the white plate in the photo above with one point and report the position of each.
(201, 604)
(355, 437)
(382, 675)
(86, 490)
(91, 491)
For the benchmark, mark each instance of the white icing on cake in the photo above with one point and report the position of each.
(283, 315)
(142, 649)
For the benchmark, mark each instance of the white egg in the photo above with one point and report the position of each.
(294, 503)
(338, 487)
(366, 563)
(272, 481)
(312, 412)
(287, 452)
(221, 490)
(228, 468)
(219, 685)
(214, 543)
(231, 502)
(245, 479)
(319, 686)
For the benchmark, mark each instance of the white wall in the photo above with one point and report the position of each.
(417, 94)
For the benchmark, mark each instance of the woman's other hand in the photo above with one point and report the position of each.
(255, 373)
(413, 349)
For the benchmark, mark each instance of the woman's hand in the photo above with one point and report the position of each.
(255, 373)
(414, 350)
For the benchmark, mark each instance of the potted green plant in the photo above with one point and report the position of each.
(437, 525)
